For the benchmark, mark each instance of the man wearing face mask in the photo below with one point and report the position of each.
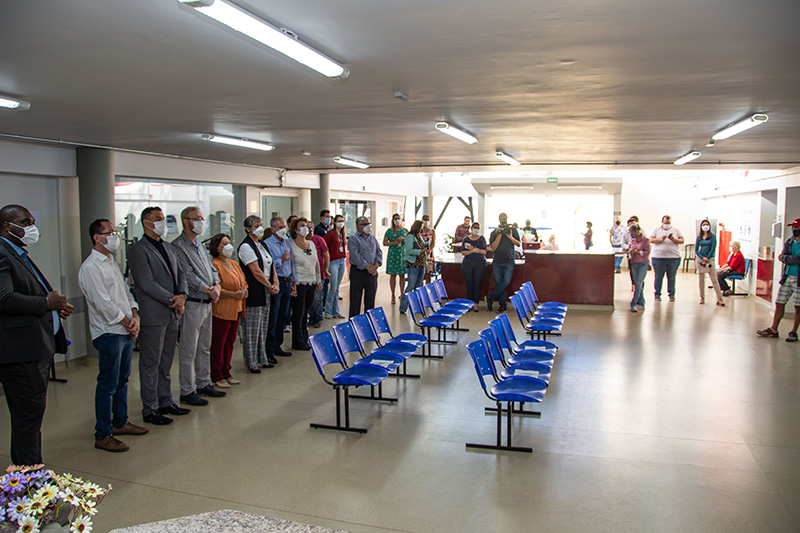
(30, 333)
(616, 236)
(113, 325)
(202, 281)
(666, 256)
(280, 249)
(502, 242)
(160, 289)
(790, 285)
(324, 225)
(366, 257)
(428, 235)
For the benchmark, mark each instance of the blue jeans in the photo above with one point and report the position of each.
(668, 266)
(638, 271)
(315, 315)
(502, 277)
(111, 394)
(617, 258)
(278, 316)
(336, 268)
(414, 277)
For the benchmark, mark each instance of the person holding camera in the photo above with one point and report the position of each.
(666, 240)
(502, 242)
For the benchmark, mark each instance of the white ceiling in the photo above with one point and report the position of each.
(555, 83)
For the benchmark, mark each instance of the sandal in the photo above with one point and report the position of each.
(394, 301)
(720, 303)
(702, 300)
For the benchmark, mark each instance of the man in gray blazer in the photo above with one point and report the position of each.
(202, 280)
(160, 289)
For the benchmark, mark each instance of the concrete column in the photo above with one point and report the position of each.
(321, 198)
(480, 211)
(304, 205)
(95, 168)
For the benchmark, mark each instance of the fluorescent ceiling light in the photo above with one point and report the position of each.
(746, 124)
(458, 133)
(498, 187)
(691, 156)
(580, 187)
(283, 41)
(12, 103)
(350, 162)
(233, 141)
(502, 156)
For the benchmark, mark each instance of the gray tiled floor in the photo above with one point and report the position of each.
(677, 419)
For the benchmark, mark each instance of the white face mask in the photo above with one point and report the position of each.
(340, 224)
(367, 229)
(31, 235)
(198, 226)
(398, 222)
(666, 227)
(303, 230)
(112, 243)
(258, 232)
(476, 231)
(281, 233)
(426, 223)
(227, 250)
(705, 228)
(160, 227)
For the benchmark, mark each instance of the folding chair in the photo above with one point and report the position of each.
(513, 389)
(364, 333)
(426, 324)
(515, 346)
(326, 352)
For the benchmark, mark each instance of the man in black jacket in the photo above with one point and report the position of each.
(790, 286)
(30, 333)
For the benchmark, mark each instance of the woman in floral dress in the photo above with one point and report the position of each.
(395, 238)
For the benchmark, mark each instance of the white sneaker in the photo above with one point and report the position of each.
(634, 309)
(223, 384)
(233, 381)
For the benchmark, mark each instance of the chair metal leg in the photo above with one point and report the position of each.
(339, 426)
(499, 445)
(404, 373)
(379, 398)
(520, 411)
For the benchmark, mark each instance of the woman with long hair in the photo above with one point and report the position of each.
(705, 249)
(415, 259)
(473, 263)
(309, 280)
(638, 259)
(395, 264)
(226, 311)
(336, 239)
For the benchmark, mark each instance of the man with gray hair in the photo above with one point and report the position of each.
(202, 281)
(366, 257)
(279, 246)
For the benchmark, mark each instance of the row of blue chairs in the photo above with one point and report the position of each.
(431, 312)
(538, 319)
(370, 369)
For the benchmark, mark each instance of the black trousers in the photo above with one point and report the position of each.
(473, 277)
(301, 306)
(25, 388)
(362, 285)
(722, 278)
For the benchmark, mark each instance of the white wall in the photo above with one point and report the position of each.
(650, 198)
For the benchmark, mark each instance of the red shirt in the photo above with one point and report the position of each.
(336, 248)
(319, 243)
(736, 262)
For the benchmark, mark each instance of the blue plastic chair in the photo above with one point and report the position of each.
(364, 332)
(347, 342)
(553, 313)
(734, 277)
(381, 325)
(426, 323)
(454, 309)
(438, 284)
(538, 328)
(528, 355)
(326, 352)
(528, 286)
(514, 389)
(515, 346)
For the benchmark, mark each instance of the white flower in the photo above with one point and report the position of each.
(93, 489)
(68, 496)
(88, 507)
(47, 493)
(36, 505)
(81, 525)
(28, 525)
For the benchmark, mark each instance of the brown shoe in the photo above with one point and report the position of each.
(110, 444)
(130, 429)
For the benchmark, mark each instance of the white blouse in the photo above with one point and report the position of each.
(306, 265)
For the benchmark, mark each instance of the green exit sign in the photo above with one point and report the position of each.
(552, 180)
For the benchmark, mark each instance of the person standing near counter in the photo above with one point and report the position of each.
(705, 249)
(473, 264)
(415, 260)
(462, 231)
(616, 236)
(666, 255)
(551, 244)
(503, 240)
(530, 230)
(638, 258)
(587, 237)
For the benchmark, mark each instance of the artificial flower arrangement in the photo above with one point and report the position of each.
(32, 498)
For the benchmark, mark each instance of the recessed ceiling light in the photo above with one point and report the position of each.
(691, 156)
(502, 156)
(568, 61)
(350, 162)
(305, 152)
(458, 133)
(742, 125)
(12, 103)
(233, 141)
(281, 40)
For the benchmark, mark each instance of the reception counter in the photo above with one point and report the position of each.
(583, 278)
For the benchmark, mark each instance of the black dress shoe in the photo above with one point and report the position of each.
(282, 353)
(254, 370)
(268, 365)
(158, 419)
(174, 410)
(303, 348)
(208, 390)
(193, 399)
(271, 360)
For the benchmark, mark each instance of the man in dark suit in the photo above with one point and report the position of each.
(159, 287)
(30, 333)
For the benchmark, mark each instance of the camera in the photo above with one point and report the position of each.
(504, 229)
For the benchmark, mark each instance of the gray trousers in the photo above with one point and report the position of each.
(194, 349)
(156, 351)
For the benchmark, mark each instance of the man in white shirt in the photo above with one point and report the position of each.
(666, 255)
(617, 238)
(113, 325)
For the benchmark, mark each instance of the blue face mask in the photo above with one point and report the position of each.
(327, 221)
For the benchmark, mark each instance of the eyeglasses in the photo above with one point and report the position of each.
(193, 219)
(110, 233)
